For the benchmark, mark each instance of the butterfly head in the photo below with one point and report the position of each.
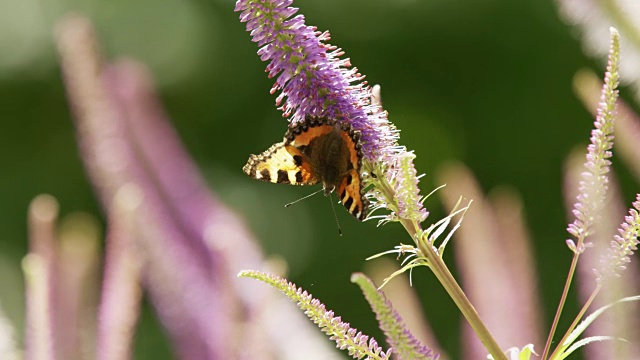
(328, 188)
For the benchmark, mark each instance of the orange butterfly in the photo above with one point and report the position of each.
(316, 150)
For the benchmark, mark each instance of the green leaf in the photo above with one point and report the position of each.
(516, 354)
(586, 341)
(587, 321)
(526, 352)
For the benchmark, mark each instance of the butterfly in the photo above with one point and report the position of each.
(316, 150)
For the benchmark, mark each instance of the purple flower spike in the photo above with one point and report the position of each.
(624, 244)
(315, 81)
(312, 77)
(401, 340)
(593, 186)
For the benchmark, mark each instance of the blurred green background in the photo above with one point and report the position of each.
(486, 82)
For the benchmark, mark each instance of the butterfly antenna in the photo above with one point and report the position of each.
(335, 215)
(302, 198)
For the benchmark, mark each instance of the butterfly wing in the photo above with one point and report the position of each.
(302, 134)
(351, 196)
(350, 189)
(282, 164)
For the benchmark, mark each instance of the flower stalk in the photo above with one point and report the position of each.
(433, 259)
(576, 321)
(623, 246)
(444, 276)
(593, 185)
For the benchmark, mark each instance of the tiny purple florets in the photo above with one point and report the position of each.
(313, 80)
(346, 337)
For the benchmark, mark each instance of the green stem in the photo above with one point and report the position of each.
(563, 299)
(440, 270)
(577, 319)
(449, 283)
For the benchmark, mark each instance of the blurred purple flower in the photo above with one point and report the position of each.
(493, 251)
(166, 234)
(116, 153)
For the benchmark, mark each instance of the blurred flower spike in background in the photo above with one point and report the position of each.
(167, 235)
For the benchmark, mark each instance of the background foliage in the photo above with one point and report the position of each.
(486, 82)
